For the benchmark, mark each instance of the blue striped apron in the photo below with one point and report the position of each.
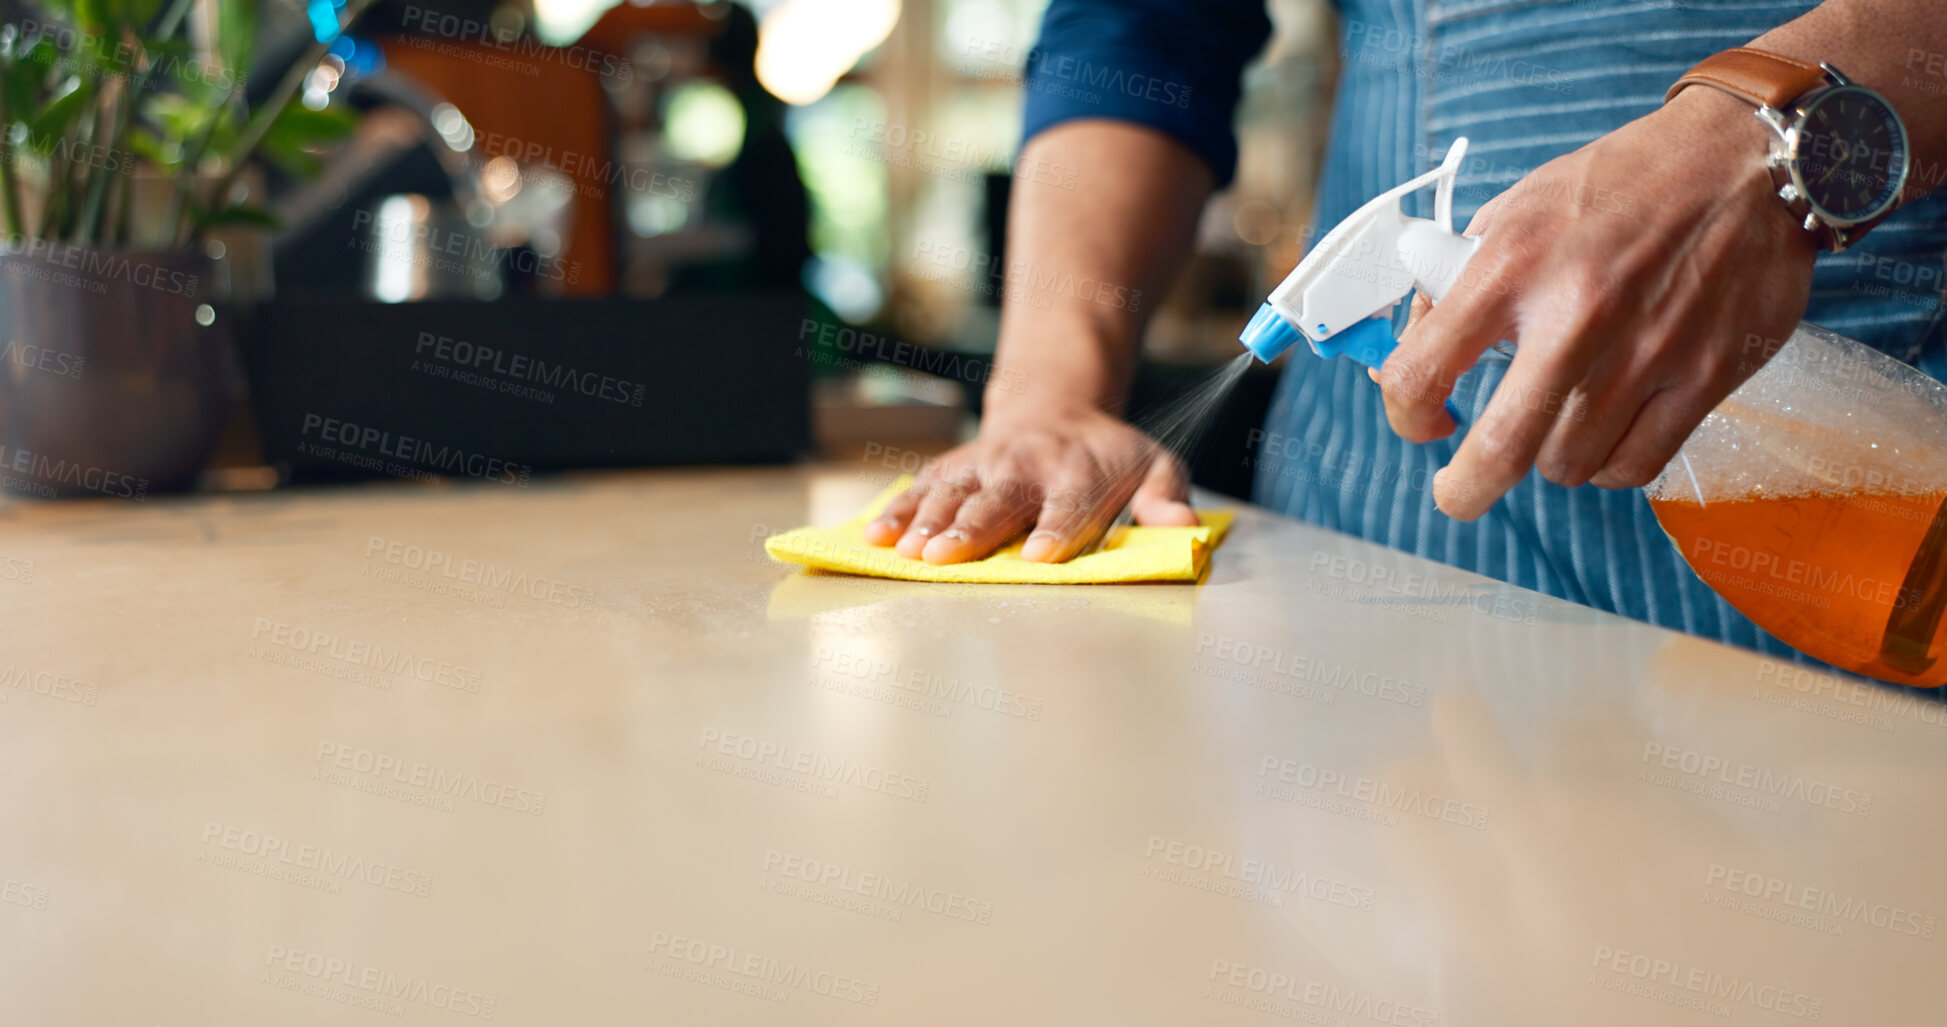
(1526, 82)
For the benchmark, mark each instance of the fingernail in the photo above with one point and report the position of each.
(941, 550)
(1449, 494)
(885, 522)
(957, 534)
(1039, 545)
(923, 531)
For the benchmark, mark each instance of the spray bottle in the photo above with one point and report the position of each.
(1813, 498)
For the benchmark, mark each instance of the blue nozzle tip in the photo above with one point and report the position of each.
(1268, 334)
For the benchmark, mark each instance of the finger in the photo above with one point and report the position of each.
(893, 521)
(1082, 501)
(989, 517)
(1595, 415)
(937, 508)
(1438, 347)
(1163, 499)
(1664, 422)
(885, 529)
(1416, 312)
(1501, 447)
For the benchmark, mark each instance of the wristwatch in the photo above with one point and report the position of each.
(1841, 154)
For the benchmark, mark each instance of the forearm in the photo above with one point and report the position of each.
(1089, 254)
(1894, 47)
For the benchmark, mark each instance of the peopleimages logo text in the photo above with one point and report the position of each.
(397, 662)
(418, 452)
(322, 860)
(427, 243)
(396, 990)
(113, 57)
(467, 570)
(102, 265)
(449, 783)
(44, 468)
(465, 30)
(1055, 67)
(1821, 901)
(521, 367)
(1711, 768)
(29, 357)
(583, 168)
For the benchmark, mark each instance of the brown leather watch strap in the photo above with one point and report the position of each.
(1762, 78)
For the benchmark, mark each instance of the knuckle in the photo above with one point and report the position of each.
(1059, 525)
(1414, 428)
(1063, 497)
(1514, 241)
(1563, 469)
(1719, 371)
(1080, 506)
(1023, 451)
(1592, 293)
(1574, 408)
(1007, 494)
(972, 522)
(943, 466)
(1632, 472)
(938, 507)
(1486, 215)
(1410, 381)
(1167, 475)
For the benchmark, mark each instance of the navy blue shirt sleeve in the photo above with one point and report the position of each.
(1171, 65)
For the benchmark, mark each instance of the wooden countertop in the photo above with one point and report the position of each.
(579, 754)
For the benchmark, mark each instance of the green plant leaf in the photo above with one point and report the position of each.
(22, 81)
(54, 120)
(178, 67)
(150, 147)
(295, 163)
(299, 125)
(93, 30)
(172, 64)
(91, 16)
(43, 49)
(236, 34)
(176, 117)
(36, 48)
(298, 132)
(143, 13)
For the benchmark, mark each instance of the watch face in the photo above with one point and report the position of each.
(1852, 155)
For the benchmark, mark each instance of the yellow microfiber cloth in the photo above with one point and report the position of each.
(1130, 554)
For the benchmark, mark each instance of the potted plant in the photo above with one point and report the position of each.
(124, 142)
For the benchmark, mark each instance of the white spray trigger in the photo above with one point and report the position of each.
(1374, 259)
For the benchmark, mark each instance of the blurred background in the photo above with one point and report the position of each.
(774, 226)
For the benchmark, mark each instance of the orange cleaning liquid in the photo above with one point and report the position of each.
(1854, 579)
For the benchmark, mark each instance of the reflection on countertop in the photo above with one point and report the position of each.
(580, 752)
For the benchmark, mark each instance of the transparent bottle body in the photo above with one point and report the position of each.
(1812, 499)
